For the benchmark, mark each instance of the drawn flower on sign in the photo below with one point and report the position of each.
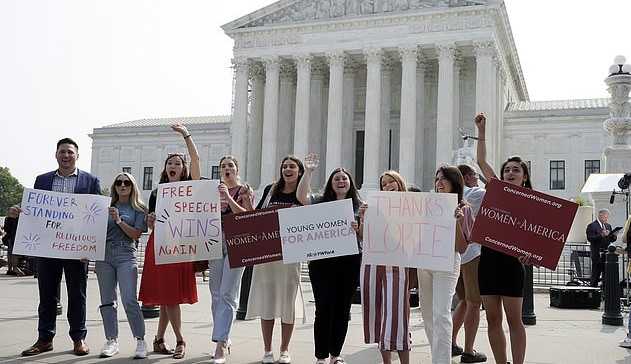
(209, 243)
(90, 213)
(30, 241)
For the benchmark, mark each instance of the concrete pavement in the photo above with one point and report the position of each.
(560, 336)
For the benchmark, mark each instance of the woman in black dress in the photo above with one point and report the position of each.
(501, 276)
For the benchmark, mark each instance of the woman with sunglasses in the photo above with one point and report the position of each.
(333, 280)
(274, 286)
(223, 281)
(124, 227)
(170, 285)
(385, 294)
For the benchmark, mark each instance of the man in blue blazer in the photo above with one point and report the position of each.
(66, 178)
(599, 235)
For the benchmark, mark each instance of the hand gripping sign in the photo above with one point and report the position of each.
(410, 229)
(520, 222)
(62, 225)
(188, 222)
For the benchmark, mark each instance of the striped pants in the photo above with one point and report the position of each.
(386, 307)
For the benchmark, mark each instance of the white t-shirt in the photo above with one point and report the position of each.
(474, 196)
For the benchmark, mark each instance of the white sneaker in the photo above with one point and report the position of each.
(626, 343)
(284, 358)
(110, 348)
(268, 358)
(141, 349)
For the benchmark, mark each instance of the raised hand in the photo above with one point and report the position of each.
(458, 213)
(480, 121)
(114, 213)
(312, 161)
(223, 190)
(180, 128)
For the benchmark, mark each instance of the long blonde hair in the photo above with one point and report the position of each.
(135, 199)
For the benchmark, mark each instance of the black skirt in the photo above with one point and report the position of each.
(500, 274)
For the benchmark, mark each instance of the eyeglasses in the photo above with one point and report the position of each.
(122, 182)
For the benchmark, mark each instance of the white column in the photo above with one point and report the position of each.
(270, 121)
(334, 118)
(486, 93)
(285, 122)
(407, 129)
(255, 128)
(386, 101)
(420, 121)
(238, 126)
(317, 117)
(303, 96)
(445, 112)
(348, 118)
(372, 128)
(456, 138)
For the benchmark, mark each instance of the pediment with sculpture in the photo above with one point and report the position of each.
(314, 10)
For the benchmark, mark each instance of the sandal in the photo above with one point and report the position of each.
(180, 350)
(159, 347)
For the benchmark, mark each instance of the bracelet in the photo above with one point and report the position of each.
(187, 136)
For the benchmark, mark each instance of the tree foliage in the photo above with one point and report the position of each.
(10, 190)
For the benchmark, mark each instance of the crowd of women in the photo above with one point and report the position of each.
(275, 287)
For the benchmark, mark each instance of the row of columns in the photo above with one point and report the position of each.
(247, 142)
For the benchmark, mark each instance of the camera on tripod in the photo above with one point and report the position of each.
(625, 181)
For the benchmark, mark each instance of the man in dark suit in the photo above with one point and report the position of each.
(69, 179)
(599, 236)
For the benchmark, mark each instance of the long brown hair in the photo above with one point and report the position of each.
(453, 175)
(353, 194)
(164, 177)
(524, 168)
(278, 187)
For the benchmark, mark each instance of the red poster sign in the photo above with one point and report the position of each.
(253, 237)
(522, 222)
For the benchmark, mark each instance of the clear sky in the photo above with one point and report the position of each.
(68, 66)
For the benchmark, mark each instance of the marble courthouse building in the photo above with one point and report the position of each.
(372, 85)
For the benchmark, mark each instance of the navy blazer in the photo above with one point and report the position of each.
(595, 238)
(86, 183)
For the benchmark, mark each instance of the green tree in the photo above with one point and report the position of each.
(10, 190)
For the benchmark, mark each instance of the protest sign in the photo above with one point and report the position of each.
(410, 229)
(253, 237)
(62, 225)
(519, 221)
(188, 222)
(317, 231)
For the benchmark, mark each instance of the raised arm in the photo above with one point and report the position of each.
(485, 167)
(192, 150)
(304, 187)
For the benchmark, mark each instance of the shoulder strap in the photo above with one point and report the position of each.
(266, 197)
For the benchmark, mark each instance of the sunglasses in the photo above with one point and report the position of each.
(122, 182)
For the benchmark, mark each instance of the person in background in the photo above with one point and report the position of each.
(468, 310)
(10, 227)
(66, 178)
(626, 240)
(599, 236)
(124, 227)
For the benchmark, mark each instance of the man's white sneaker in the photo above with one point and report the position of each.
(141, 349)
(110, 348)
(268, 358)
(626, 343)
(284, 358)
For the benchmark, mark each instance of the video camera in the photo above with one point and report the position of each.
(625, 181)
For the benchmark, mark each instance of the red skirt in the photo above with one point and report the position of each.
(166, 284)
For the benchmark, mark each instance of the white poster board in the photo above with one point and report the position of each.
(188, 222)
(410, 229)
(317, 231)
(62, 225)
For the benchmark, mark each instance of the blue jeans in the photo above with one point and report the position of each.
(119, 267)
(224, 284)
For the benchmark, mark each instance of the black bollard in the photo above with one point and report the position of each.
(528, 316)
(612, 315)
(150, 311)
(246, 280)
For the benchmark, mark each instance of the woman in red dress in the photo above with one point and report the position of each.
(170, 285)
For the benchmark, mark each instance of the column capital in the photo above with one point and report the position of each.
(446, 51)
(318, 68)
(271, 63)
(305, 58)
(484, 49)
(373, 55)
(336, 58)
(351, 66)
(240, 64)
(387, 63)
(287, 71)
(409, 53)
